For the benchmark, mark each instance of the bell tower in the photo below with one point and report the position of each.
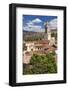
(47, 31)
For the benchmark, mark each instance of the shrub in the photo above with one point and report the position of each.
(42, 64)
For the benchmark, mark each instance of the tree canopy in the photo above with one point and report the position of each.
(42, 64)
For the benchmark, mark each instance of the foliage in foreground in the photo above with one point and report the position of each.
(41, 64)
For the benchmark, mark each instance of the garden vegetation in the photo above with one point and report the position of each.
(41, 64)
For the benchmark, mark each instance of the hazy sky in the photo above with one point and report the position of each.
(35, 23)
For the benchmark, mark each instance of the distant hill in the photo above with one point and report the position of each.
(29, 35)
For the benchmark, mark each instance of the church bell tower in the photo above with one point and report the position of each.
(47, 31)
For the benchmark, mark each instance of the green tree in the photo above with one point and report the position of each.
(42, 64)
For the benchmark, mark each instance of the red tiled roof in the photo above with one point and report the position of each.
(43, 45)
(51, 49)
(43, 42)
(27, 53)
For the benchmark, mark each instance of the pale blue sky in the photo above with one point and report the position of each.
(36, 23)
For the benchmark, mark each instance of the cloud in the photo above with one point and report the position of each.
(53, 24)
(37, 20)
(29, 24)
(32, 26)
